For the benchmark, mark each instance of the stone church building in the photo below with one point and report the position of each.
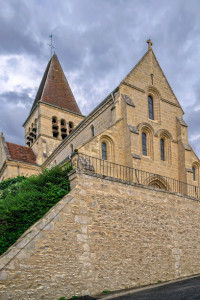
(132, 217)
(138, 125)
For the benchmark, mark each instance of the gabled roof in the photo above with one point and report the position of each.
(139, 76)
(21, 153)
(54, 88)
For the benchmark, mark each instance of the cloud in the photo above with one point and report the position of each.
(98, 43)
(15, 107)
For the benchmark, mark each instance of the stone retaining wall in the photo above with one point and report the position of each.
(104, 235)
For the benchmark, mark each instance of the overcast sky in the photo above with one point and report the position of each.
(97, 42)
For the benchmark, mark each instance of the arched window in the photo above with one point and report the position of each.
(92, 130)
(71, 126)
(150, 108)
(62, 122)
(55, 127)
(54, 120)
(194, 173)
(63, 129)
(144, 144)
(162, 149)
(104, 151)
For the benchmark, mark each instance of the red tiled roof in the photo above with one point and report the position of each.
(54, 88)
(21, 153)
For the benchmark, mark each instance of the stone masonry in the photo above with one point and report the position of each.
(104, 235)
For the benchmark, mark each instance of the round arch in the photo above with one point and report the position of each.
(149, 132)
(166, 136)
(154, 93)
(107, 140)
(195, 171)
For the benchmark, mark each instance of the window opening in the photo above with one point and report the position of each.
(62, 122)
(55, 127)
(71, 126)
(63, 128)
(104, 151)
(150, 108)
(194, 173)
(54, 120)
(162, 149)
(144, 144)
(92, 129)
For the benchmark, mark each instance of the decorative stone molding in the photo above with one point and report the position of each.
(189, 170)
(187, 147)
(181, 121)
(133, 129)
(128, 100)
(136, 156)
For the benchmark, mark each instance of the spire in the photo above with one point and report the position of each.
(54, 88)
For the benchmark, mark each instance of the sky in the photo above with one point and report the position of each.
(97, 42)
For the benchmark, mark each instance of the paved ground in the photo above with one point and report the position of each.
(188, 289)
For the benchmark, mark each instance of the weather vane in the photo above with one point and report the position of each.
(51, 44)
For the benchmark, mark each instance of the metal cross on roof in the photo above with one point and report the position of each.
(149, 42)
(51, 44)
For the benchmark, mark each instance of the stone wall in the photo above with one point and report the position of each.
(14, 168)
(45, 143)
(107, 122)
(104, 235)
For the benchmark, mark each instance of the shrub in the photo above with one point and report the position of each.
(23, 201)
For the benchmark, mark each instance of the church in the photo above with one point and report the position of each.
(132, 216)
(138, 125)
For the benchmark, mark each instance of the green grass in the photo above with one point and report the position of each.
(23, 201)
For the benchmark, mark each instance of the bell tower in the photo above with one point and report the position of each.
(54, 113)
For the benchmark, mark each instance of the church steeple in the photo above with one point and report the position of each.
(54, 88)
(54, 113)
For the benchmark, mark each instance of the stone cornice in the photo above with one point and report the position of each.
(134, 87)
(21, 164)
(54, 106)
(143, 91)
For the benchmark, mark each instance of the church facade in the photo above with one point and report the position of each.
(138, 125)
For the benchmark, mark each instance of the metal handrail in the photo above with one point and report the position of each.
(130, 175)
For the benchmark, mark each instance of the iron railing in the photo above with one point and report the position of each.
(104, 168)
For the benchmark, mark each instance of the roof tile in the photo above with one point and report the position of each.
(21, 153)
(54, 88)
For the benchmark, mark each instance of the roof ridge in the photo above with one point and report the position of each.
(46, 78)
(17, 144)
(166, 80)
(141, 59)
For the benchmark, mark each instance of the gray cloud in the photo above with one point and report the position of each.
(15, 107)
(16, 97)
(100, 41)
